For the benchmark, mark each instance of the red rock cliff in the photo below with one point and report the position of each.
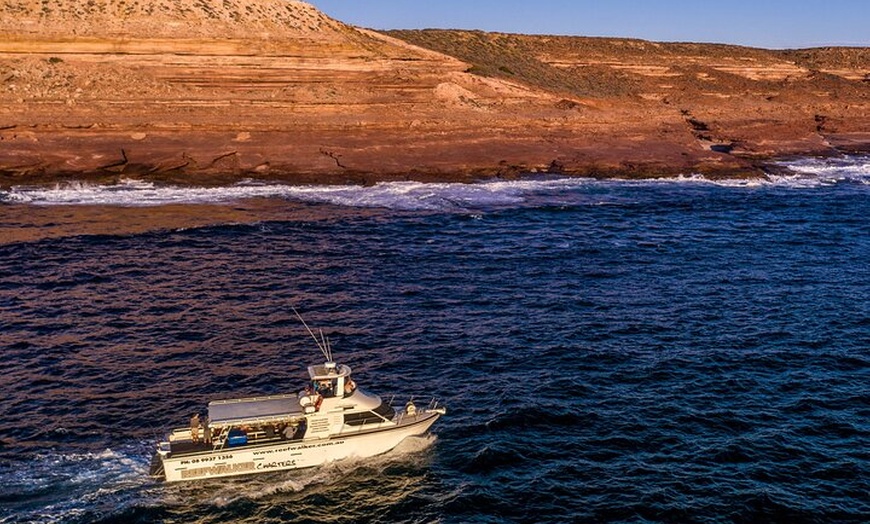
(208, 91)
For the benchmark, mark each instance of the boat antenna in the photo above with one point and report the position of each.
(324, 348)
(324, 344)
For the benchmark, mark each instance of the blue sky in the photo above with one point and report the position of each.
(758, 23)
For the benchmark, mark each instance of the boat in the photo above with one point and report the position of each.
(330, 419)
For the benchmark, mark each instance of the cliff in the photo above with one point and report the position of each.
(210, 91)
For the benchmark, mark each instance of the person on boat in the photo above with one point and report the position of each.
(206, 431)
(194, 428)
(325, 388)
(349, 386)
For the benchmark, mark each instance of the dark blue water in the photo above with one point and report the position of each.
(608, 351)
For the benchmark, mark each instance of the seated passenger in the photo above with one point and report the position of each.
(326, 388)
(349, 386)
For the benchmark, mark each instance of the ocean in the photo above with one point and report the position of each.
(674, 350)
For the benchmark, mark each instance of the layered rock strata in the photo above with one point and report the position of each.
(212, 91)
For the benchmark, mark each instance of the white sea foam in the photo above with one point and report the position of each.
(392, 195)
(98, 481)
(417, 196)
(813, 172)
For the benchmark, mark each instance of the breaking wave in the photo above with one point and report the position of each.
(814, 172)
(393, 195)
(418, 196)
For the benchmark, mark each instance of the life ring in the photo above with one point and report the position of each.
(310, 403)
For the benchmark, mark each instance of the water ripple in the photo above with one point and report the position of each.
(687, 353)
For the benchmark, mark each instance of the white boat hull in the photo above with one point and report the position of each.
(288, 455)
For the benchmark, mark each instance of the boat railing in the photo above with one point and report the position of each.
(180, 434)
(416, 412)
(396, 421)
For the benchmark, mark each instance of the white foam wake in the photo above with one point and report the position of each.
(814, 172)
(58, 487)
(393, 195)
(416, 196)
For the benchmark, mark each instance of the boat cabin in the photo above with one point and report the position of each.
(256, 420)
(331, 380)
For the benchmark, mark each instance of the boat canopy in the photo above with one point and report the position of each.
(257, 410)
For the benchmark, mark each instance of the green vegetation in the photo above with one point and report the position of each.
(518, 58)
(613, 67)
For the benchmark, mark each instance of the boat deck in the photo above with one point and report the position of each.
(184, 447)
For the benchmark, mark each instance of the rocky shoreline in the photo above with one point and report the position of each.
(222, 96)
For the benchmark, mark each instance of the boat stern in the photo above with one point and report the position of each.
(158, 470)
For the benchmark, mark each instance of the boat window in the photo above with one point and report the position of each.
(325, 387)
(384, 411)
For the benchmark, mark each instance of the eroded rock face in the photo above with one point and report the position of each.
(210, 91)
(165, 18)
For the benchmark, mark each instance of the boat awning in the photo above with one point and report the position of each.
(259, 410)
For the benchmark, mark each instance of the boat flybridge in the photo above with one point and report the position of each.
(330, 419)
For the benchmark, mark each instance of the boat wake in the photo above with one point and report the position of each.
(114, 483)
(94, 485)
(416, 196)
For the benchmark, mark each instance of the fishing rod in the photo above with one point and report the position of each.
(322, 344)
